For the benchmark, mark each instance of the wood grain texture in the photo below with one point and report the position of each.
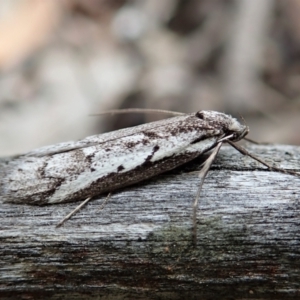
(140, 246)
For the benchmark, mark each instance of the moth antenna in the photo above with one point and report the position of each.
(202, 176)
(245, 152)
(138, 110)
(252, 141)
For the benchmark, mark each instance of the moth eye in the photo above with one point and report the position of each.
(200, 115)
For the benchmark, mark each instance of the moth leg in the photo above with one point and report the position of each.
(104, 203)
(206, 166)
(66, 218)
(245, 152)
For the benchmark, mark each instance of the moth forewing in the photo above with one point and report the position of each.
(102, 163)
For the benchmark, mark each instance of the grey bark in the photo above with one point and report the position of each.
(140, 245)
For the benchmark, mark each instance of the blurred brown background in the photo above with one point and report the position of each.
(61, 60)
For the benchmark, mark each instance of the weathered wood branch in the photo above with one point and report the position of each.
(140, 245)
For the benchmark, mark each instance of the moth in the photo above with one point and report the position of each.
(103, 163)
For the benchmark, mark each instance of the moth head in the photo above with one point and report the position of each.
(226, 123)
